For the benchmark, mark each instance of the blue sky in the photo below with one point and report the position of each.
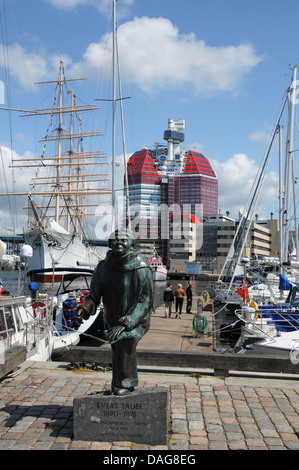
(223, 66)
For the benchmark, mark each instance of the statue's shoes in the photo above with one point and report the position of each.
(123, 391)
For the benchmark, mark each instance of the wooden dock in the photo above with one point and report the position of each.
(13, 357)
(220, 364)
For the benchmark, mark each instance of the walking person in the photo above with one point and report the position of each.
(168, 298)
(189, 297)
(179, 299)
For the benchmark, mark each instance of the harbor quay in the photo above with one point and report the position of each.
(242, 411)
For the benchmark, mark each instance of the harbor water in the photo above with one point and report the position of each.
(12, 281)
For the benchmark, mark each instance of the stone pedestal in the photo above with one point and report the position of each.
(139, 417)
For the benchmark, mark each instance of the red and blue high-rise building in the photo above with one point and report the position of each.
(165, 177)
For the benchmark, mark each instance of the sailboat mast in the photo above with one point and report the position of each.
(80, 199)
(281, 195)
(127, 201)
(113, 117)
(289, 171)
(68, 223)
(59, 145)
(293, 97)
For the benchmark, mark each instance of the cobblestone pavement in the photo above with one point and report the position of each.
(206, 412)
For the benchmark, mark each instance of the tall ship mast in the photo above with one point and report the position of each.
(66, 186)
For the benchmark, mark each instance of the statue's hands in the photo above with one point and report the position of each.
(127, 322)
(113, 333)
(82, 314)
(84, 311)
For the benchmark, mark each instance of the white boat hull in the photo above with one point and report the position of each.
(44, 349)
(62, 342)
(27, 328)
(56, 249)
(283, 345)
(159, 273)
(32, 326)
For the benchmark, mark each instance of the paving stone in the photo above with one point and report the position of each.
(214, 428)
(59, 446)
(196, 425)
(218, 445)
(7, 444)
(269, 432)
(237, 445)
(291, 445)
(179, 445)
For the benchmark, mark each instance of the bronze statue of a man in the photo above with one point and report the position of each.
(124, 281)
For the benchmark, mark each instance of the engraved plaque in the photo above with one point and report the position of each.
(140, 417)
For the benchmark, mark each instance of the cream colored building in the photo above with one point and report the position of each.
(182, 242)
(262, 241)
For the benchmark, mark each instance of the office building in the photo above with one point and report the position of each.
(165, 181)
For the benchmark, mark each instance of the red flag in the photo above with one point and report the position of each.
(243, 291)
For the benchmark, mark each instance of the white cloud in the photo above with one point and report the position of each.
(262, 135)
(236, 177)
(155, 56)
(12, 178)
(27, 67)
(13, 215)
(104, 6)
(68, 4)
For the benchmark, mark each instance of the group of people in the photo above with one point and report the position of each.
(178, 296)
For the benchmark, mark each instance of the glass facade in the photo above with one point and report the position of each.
(194, 190)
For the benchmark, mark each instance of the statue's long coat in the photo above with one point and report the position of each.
(125, 284)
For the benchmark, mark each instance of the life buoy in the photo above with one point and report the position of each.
(40, 305)
(255, 306)
(200, 323)
(205, 296)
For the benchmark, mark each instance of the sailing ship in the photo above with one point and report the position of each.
(62, 189)
(67, 183)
